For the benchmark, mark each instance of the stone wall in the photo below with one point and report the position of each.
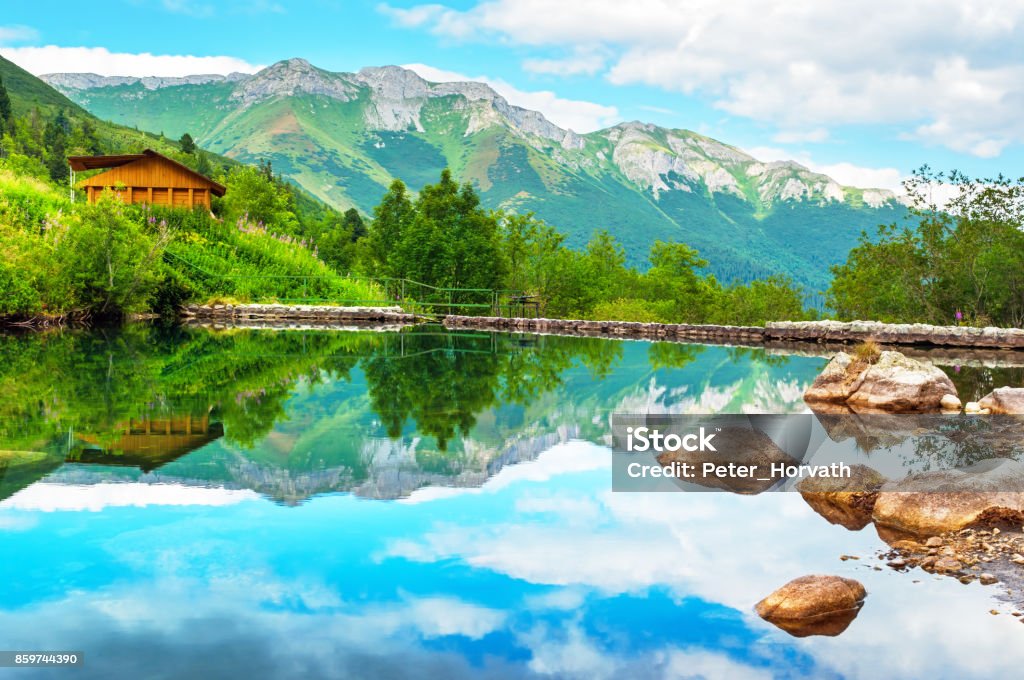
(322, 314)
(895, 334)
(741, 335)
(832, 332)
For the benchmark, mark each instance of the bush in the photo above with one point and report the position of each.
(17, 296)
(626, 310)
(109, 256)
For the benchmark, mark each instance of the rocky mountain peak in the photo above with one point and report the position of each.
(291, 77)
(70, 82)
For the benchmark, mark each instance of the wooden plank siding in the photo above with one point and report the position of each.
(155, 180)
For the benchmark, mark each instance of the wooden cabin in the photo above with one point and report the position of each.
(147, 177)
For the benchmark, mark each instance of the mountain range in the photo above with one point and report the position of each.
(344, 136)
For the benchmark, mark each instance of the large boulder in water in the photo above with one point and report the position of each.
(898, 383)
(893, 383)
(813, 605)
(934, 502)
(1004, 400)
(846, 501)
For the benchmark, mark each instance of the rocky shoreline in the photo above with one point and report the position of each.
(832, 332)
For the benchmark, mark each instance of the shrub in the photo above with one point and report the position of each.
(17, 296)
(626, 310)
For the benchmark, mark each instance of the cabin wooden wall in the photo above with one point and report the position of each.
(179, 198)
(152, 181)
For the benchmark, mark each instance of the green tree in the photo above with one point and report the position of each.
(5, 108)
(254, 196)
(55, 138)
(960, 262)
(187, 144)
(391, 217)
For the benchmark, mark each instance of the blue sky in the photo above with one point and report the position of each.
(865, 97)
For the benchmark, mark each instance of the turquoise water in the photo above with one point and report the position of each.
(378, 505)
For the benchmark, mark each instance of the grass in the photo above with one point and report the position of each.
(867, 352)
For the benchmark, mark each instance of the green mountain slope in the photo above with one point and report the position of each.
(343, 137)
(29, 94)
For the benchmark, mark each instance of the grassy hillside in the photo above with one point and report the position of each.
(59, 255)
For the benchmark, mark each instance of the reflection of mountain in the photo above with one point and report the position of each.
(375, 414)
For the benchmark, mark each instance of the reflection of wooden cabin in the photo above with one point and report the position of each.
(147, 177)
(151, 442)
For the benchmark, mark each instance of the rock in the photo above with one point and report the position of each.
(1004, 400)
(972, 407)
(898, 563)
(814, 605)
(927, 503)
(901, 384)
(950, 402)
(846, 501)
(933, 542)
(894, 383)
(947, 564)
(987, 579)
(838, 381)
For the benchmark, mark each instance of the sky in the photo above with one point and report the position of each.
(864, 92)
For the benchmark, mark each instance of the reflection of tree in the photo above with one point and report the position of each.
(441, 389)
(974, 383)
(960, 441)
(672, 354)
(95, 382)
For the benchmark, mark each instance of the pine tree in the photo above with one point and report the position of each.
(390, 219)
(55, 140)
(5, 108)
(353, 224)
(187, 144)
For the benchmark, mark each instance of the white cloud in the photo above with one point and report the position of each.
(951, 72)
(187, 7)
(574, 114)
(99, 60)
(846, 174)
(819, 134)
(17, 33)
(583, 62)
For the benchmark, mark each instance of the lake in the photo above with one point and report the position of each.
(317, 504)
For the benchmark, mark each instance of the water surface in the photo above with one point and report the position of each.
(183, 503)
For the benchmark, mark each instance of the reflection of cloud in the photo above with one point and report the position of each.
(47, 497)
(127, 631)
(16, 522)
(568, 653)
(734, 550)
(707, 665)
(562, 459)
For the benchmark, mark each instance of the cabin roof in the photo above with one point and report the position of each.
(82, 163)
